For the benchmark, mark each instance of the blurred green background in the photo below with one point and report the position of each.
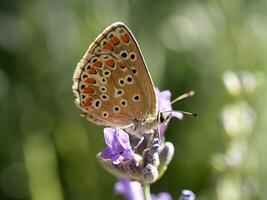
(47, 152)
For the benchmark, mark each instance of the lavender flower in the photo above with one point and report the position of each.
(143, 163)
(161, 196)
(132, 190)
(118, 146)
(119, 159)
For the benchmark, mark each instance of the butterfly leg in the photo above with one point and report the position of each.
(143, 140)
(139, 143)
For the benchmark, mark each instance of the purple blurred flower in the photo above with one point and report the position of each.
(118, 145)
(164, 104)
(132, 190)
(187, 195)
(161, 196)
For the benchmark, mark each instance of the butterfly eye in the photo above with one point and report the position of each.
(161, 117)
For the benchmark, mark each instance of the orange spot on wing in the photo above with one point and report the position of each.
(125, 38)
(88, 102)
(92, 70)
(110, 63)
(115, 40)
(121, 65)
(90, 80)
(88, 90)
(108, 46)
(98, 64)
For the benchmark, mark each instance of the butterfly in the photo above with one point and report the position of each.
(113, 86)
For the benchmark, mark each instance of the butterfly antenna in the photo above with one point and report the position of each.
(184, 112)
(189, 113)
(183, 96)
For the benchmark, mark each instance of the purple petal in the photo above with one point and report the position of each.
(117, 159)
(162, 196)
(177, 115)
(131, 190)
(128, 153)
(165, 95)
(162, 129)
(107, 153)
(123, 138)
(116, 143)
(109, 134)
(118, 146)
(121, 142)
(164, 100)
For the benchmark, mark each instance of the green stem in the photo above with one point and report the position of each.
(146, 189)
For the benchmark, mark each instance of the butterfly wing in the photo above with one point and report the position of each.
(112, 83)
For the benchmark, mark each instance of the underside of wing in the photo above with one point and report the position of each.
(108, 91)
(112, 83)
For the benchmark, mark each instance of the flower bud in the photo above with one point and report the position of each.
(187, 195)
(166, 154)
(150, 158)
(150, 174)
(130, 169)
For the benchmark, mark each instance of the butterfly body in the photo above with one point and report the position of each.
(138, 128)
(112, 84)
